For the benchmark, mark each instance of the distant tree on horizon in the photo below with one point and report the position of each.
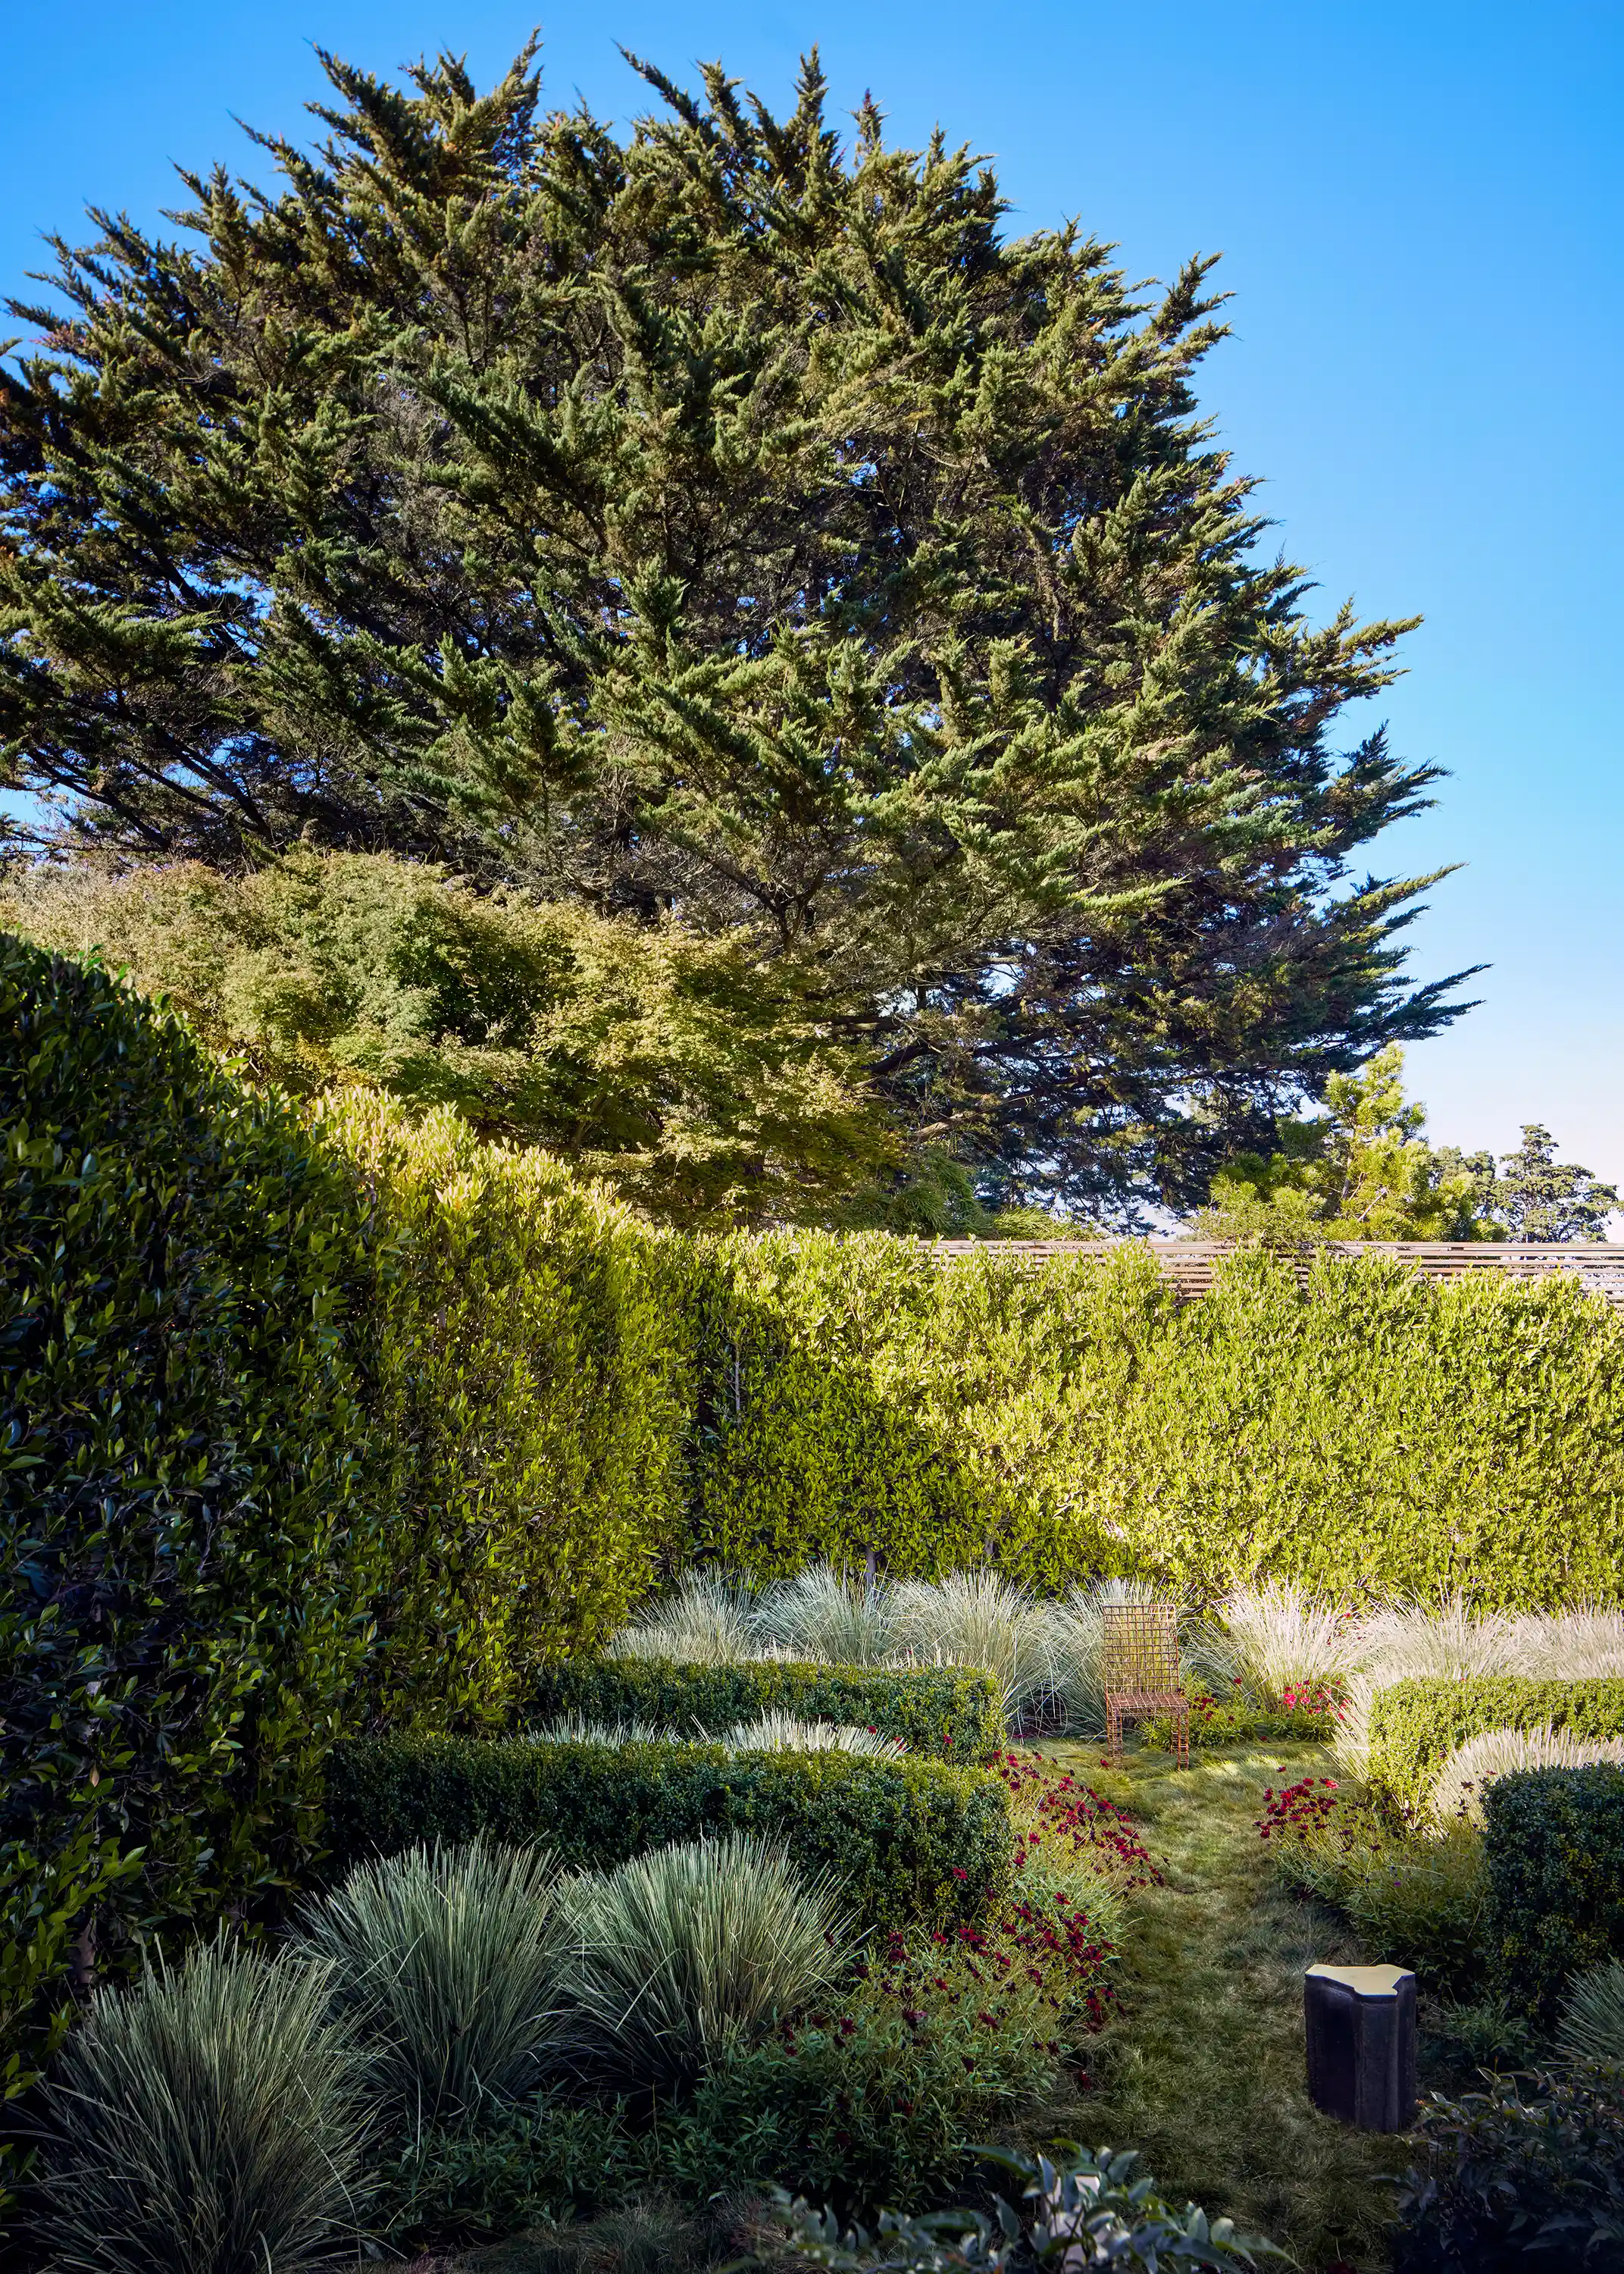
(739, 537)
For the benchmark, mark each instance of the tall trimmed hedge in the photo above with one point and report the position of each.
(1415, 1726)
(536, 1383)
(1372, 1431)
(191, 1534)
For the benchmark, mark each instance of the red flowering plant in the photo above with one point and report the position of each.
(940, 2035)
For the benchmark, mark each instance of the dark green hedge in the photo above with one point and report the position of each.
(910, 1839)
(1554, 1842)
(933, 1709)
(1415, 1726)
(188, 1530)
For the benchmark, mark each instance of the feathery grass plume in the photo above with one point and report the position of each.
(1281, 1639)
(446, 1966)
(208, 2122)
(979, 1618)
(1583, 1643)
(777, 1731)
(1459, 1785)
(822, 1614)
(580, 1729)
(1408, 1641)
(1592, 2023)
(708, 1619)
(685, 1952)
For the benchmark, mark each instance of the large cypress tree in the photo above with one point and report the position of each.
(731, 530)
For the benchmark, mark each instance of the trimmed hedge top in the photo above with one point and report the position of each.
(1415, 1726)
(907, 1839)
(1554, 1843)
(940, 1710)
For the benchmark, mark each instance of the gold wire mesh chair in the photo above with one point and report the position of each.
(1139, 1660)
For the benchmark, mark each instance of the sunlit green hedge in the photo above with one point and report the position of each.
(1415, 1726)
(1373, 1430)
(534, 1388)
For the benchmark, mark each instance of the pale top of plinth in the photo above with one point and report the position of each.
(1365, 1981)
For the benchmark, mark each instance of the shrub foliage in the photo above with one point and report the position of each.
(907, 1840)
(1554, 1843)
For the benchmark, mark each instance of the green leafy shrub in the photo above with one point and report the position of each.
(518, 2167)
(1087, 2209)
(208, 2122)
(1502, 2182)
(191, 1530)
(535, 1379)
(445, 1965)
(907, 1839)
(688, 1952)
(1554, 1842)
(1415, 1726)
(1236, 1720)
(946, 1709)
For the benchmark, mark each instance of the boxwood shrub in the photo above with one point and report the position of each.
(1415, 1726)
(1554, 1843)
(933, 1709)
(911, 1839)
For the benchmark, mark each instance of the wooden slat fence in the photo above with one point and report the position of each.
(1189, 1263)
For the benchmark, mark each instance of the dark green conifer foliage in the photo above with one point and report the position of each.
(722, 524)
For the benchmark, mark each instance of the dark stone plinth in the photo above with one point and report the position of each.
(1360, 2023)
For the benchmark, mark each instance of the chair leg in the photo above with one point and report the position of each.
(1113, 1732)
(1182, 1725)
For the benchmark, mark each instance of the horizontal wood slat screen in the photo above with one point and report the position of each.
(1189, 1263)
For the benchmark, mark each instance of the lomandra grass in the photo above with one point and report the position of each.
(208, 2122)
(445, 1964)
(689, 1951)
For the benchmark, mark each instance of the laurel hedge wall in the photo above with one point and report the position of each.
(1372, 1431)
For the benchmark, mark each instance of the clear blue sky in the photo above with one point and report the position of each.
(1419, 209)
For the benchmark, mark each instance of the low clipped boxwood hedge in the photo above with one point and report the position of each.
(1553, 1840)
(910, 1840)
(1415, 1726)
(933, 1709)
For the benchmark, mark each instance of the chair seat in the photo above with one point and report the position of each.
(1146, 1697)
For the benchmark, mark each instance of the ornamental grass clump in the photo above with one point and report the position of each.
(445, 1964)
(1281, 1639)
(822, 1614)
(208, 2122)
(979, 1618)
(1592, 2024)
(779, 1732)
(691, 1950)
(708, 1619)
(583, 1729)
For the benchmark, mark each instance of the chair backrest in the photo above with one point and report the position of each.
(1142, 1646)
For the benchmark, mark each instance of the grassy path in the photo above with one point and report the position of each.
(1203, 2069)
